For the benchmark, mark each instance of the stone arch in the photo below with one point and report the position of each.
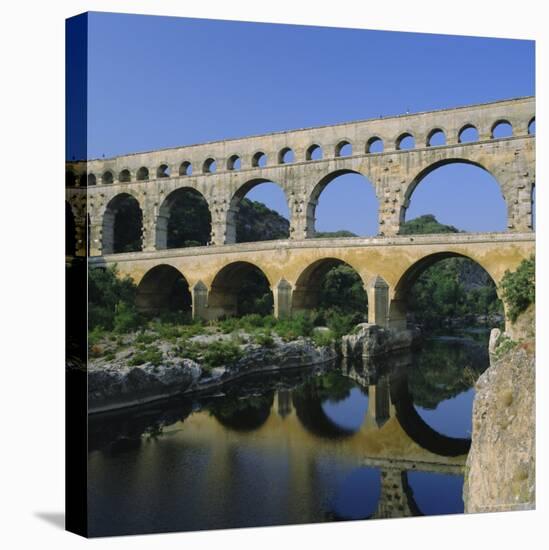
(307, 289)
(314, 152)
(209, 166)
(92, 180)
(234, 162)
(431, 168)
(374, 145)
(70, 179)
(225, 296)
(501, 124)
(259, 159)
(468, 133)
(398, 300)
(122, 225)
(107, 178)
(142, 174)
(432, 136)
(312, 201)
(286, 156)
(405, 141)
(234, 205)
(163, 289)
(532, 126)
(192, 228)
(163, 171)
(124, 176)
(185, 168)
(344, 148)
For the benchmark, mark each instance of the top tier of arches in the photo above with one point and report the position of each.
(480, 123)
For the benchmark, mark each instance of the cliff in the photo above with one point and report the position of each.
(500, 469)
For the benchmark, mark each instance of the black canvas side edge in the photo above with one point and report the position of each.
(76, 414)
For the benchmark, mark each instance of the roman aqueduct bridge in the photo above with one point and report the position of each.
(303, 162)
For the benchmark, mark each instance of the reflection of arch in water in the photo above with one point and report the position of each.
(417, 429)
(243, 415)
(309, 411)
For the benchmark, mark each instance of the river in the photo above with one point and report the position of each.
(341, 442)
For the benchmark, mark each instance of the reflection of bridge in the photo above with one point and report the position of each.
(387, 263)
(293, 426)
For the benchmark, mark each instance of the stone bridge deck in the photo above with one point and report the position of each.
(387, 265)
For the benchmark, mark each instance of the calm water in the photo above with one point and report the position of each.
(342, 443)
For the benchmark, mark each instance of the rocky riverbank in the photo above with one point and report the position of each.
(500, 470)
(115, 383)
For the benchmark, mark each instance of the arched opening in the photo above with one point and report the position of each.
(405, 141)
(209, 166)
(258, 212)
(186, 168)
(91, 180)
(446, 291)
(330, 286)
(234, 163)
(436, 138)
(374, 145)
(83, 180)
(314, 152)
(142, 174)
(286, 156)
(163, 289)
(238, 289)
(124, 176)
(259, 160)
(343, 204)
(343, 149)
(70, 231)
(468, 134)
(453, 196)
(183, 220)
(163, 171)
(122, 225)
(532, 127)
(107, 178)
(70, 179)
(502, 129)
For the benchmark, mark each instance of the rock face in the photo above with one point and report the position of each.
(113, 387)
(500, 470)
(370, 340)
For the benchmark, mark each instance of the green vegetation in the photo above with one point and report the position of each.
(451, 288)
(426, 224)
(149, 355)
(519, 288)
(257, 222)
(334, 234)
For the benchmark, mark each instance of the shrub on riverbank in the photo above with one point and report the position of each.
(519, 288)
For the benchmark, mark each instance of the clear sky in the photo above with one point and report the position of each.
(163, 81)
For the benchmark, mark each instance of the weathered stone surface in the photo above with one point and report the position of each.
(112, 387)
(369, 340)
(500, 471)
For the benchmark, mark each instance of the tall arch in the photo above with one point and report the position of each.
(163, 289)
(243, 217)
(399, 303)
(454, 190)
(183, 220)
(343, 290)
(362, 198)
(122, 225)
(240, 288)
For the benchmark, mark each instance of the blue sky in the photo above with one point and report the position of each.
(158, 82)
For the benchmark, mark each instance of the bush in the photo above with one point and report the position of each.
(221, 353)
(126, 318)
(150, 355)
(322, 339)
(264, 339)
(95, 335)
(519, 288)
